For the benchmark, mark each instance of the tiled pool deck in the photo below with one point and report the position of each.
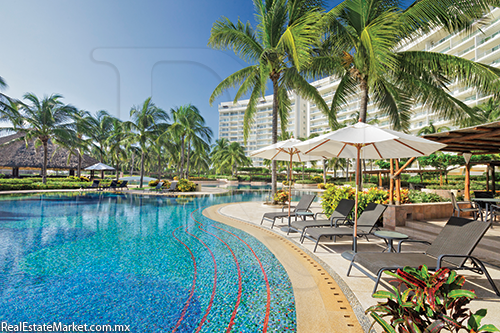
(357, 288)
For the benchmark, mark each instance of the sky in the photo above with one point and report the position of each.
(111, 55)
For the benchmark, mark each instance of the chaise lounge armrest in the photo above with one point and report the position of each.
(410, 241)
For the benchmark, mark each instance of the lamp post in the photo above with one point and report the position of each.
(467, 157)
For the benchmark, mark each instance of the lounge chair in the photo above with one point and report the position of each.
(366, 225)
(303, 206)
(111, 186)
(451, 249)
(158, 188)
(95, 184)
(339, 215)
(123, 184)
(475, 210)
(172, 188)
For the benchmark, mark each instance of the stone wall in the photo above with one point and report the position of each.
(398, 215)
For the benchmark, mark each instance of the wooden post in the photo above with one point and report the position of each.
(493, 187)
(398, 184)
(391, 183)
(467, 182)
(380, 179)
(488, 178)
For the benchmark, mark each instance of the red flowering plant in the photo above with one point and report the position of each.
(427, 302)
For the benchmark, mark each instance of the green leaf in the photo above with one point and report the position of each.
(385, 325)
(488, 328)
(435, 327)
(384, 294)
(461, 293)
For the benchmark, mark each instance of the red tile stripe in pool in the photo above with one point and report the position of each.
(238, 299)
(268, 304)
(192, 287)
(214, 288)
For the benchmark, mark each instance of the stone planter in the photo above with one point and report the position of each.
(308, 186)
(396, 216)
(444, 193)
(258, 183)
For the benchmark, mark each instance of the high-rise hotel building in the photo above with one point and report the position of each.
(481, 44)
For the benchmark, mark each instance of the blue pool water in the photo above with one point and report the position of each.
(154, 263)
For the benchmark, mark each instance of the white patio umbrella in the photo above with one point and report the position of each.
(285, 151)
(364, 141)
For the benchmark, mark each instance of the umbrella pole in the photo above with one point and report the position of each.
(355, 235)
(290, 192)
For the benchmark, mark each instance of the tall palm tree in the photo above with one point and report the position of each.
(431, 129)
(41, 121)
(189, 127)
(81, 142)
(115, 142)
(362, 47)
(232, 157)
(100, 126)
(277, 50)
(148, 122)
(485, 113)
(218, 149)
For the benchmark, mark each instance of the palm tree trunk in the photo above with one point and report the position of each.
(79, 170)
(274, 78)
(159, 166)
(142, 169)
(44, 166)
(182, 158)
(132, 165)
(324, 171)
(364, 100)
(187, 160)
(117, 170)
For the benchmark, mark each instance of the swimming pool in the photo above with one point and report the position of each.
(154, 263)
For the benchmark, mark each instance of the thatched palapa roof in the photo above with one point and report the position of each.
(17, 155)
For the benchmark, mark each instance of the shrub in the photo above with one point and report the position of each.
(84, 179)
(185, 185)
(317, 179)
(166, 183)
(286, 183)
(425, 302)
(176, 178)
(322, 186)
(154, 182)
(244, 178)
(305, 181)
(415, 196)
(281, 196)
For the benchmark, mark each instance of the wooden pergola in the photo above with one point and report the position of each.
(475, 140)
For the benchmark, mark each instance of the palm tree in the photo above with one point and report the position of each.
(484, 113)
(232, 157)
(362, 48)
(189, 127)
(115, 142)
(148, 122)
(41, 121)
(81, 140)
(99, 128)
(277, 50)
(217, 151)
(431, 129)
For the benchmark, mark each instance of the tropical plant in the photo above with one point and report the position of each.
(41, 121)
(148, 122)
(229, 156)
(99, 127)
(485, 113)
(431, 129)
(281, 196)
(277, 50)
(362, 47)
(116, 146)
(427, 302)
(189, 128)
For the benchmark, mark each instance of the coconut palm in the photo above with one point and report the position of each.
(484, 113)
(431, 129)
(189, 128)
(362, 47)
(277, 50)
(41, 121)
(232, 157)
(99, 127)
(148, 122)
(116, 144)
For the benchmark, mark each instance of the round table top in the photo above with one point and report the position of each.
(390, 234)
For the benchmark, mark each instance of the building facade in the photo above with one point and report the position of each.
(481, 44)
